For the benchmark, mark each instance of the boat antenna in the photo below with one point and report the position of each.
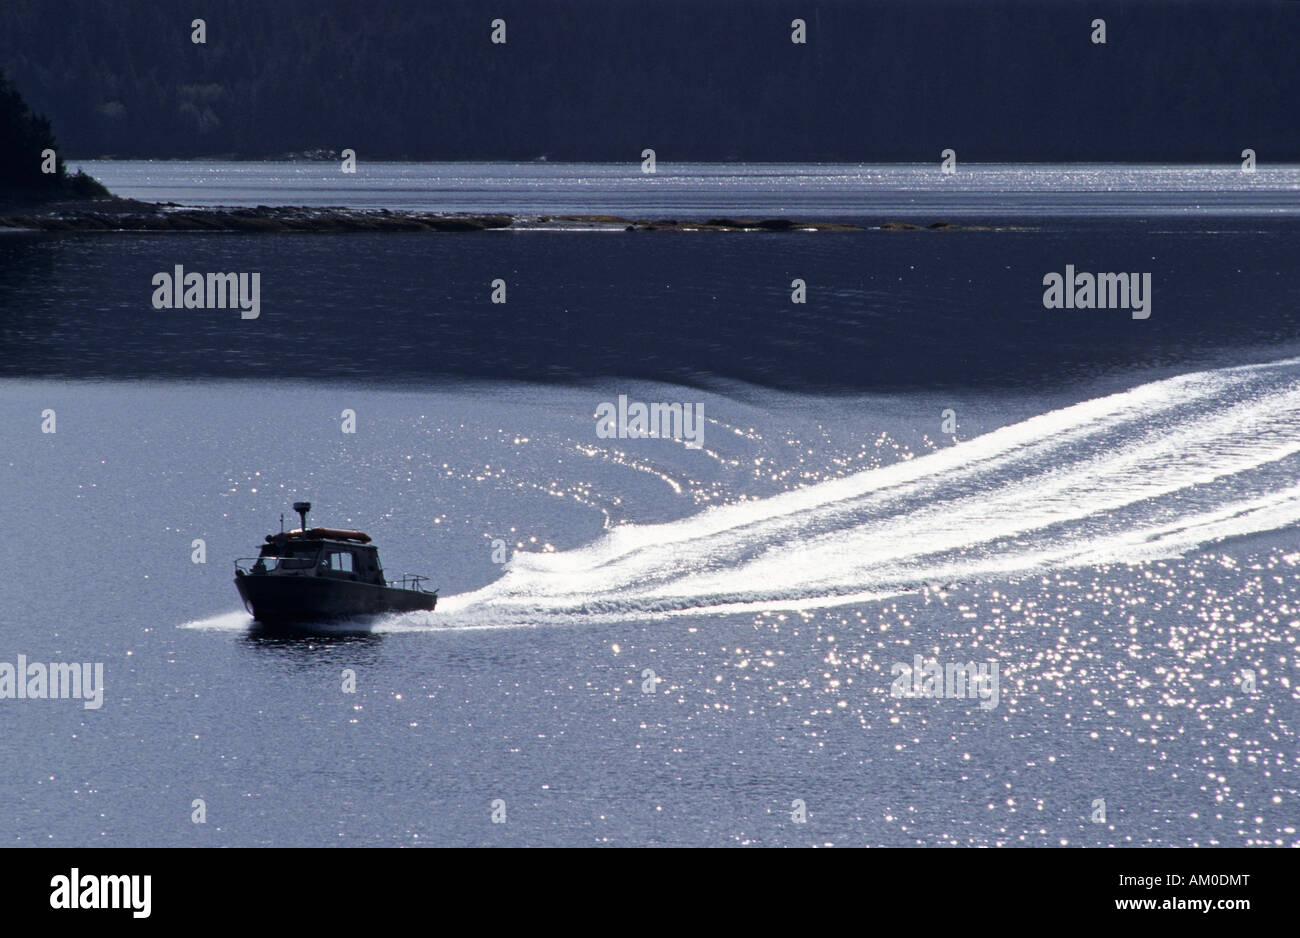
(282, 522)
(302, 508)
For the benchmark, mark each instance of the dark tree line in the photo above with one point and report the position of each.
(695, 79)
(24, 137)
(28, 149)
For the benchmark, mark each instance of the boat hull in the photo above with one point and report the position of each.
(281, 600)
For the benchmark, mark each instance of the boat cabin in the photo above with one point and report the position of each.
(339, 555)
(312, 574)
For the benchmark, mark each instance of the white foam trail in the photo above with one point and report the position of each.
(1155, 471)
(223, 622)
(242, 622)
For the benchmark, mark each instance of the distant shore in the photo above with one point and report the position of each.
(117, 214)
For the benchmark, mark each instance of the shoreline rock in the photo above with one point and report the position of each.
(131, 215)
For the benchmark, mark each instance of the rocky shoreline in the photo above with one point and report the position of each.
(132, 215)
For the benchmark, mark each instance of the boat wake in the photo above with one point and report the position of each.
(243, 622)
(222, 622)
(1153, 472)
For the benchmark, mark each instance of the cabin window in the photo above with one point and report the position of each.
(289, 560)
(341, 562)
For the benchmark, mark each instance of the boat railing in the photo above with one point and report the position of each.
(411, 581)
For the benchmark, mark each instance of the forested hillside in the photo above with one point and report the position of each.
(28, 147)
(695, 79)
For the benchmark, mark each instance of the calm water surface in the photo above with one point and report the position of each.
(1112, 520)
(818, 191)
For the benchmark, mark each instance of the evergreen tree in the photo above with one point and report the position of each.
(25, 138)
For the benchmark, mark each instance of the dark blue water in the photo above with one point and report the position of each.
(887, 309)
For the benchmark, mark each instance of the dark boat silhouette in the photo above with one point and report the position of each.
(319, 574)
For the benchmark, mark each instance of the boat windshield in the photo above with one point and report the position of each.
(286, 563)
(287, 559)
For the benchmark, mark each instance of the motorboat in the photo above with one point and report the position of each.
(321, 574)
